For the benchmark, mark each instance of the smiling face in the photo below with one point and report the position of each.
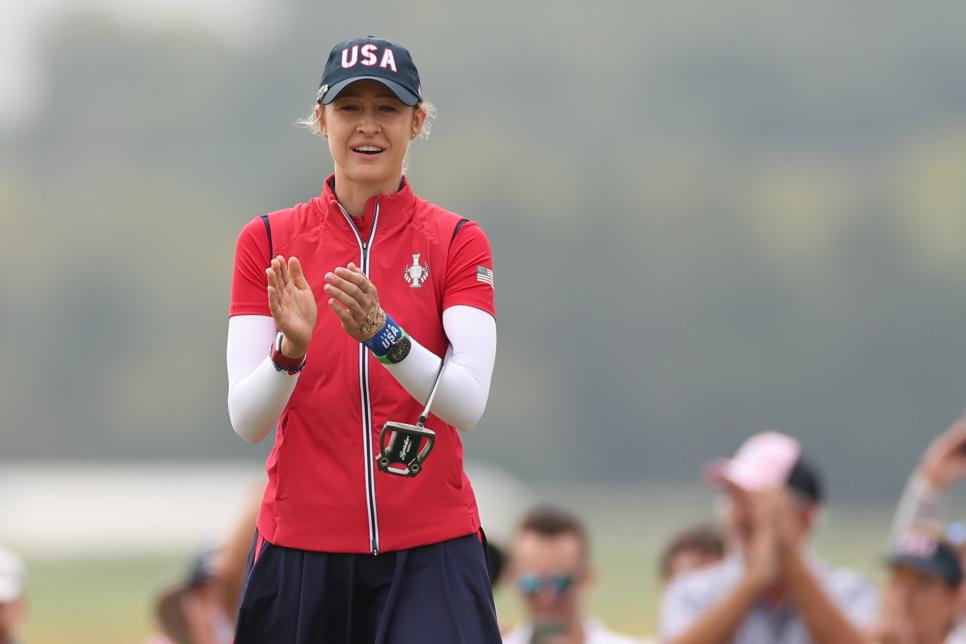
(369, 131)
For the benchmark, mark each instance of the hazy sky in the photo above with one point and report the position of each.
(22, 23)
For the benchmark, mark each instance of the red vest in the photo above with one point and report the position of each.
(325, 492)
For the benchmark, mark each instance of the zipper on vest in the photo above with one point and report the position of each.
(365, 247)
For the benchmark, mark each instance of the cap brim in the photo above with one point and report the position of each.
(726, 473)
(403, 94)
(927, 566)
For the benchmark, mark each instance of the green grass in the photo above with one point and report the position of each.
(103, 600)
(94, 600)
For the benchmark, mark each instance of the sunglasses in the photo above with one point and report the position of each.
(530, 584)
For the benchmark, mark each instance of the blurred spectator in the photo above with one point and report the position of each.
(770, 589)
(942, 464)
(495, 563)
(189, 611)
(549, 563)
(232, 565)
(201, 608)
(691, 549)
(920, 597)
(13, 606)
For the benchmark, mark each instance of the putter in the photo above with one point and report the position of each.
(404, 447)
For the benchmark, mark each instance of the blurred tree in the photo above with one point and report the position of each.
(707, 221)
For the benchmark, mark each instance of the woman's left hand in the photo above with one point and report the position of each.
(354, 299)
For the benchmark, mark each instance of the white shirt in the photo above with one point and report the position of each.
(594, 633)
(693, 594)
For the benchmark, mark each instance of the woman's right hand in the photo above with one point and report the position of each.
(292, 303)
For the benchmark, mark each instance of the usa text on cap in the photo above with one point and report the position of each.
(370, 59)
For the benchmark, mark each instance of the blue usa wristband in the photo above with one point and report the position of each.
(388, 335)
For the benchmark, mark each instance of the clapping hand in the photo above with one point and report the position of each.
(764, 564)
(292, 304)
(355, 301)
(778, 531)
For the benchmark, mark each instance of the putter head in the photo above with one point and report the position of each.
(403, 448)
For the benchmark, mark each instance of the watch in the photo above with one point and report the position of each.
(398, 351)
(282, 362)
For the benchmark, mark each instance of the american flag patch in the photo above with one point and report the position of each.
(484, 274)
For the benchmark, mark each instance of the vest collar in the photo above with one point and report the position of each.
(394, 209)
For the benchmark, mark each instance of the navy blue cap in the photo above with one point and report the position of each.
(201, 568)
(927, 554)
(805, 479)
(370, 59)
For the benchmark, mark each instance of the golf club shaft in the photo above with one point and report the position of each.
(432, 394)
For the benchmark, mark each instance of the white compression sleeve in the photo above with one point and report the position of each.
(257, 393)
(465, 384)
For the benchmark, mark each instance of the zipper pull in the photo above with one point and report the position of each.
(365, 245)
(375, 552)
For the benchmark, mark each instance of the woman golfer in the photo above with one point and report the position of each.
(342, 309)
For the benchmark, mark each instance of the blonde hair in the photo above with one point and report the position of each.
(312, 124)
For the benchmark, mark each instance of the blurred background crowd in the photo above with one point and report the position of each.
(749, 573)
(708, 219)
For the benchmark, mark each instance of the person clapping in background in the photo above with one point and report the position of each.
(770, 589)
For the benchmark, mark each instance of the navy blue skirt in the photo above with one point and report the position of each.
(435, 594)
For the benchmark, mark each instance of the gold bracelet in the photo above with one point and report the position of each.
(374, 322)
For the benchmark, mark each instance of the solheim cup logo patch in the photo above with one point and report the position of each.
(416, 273)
